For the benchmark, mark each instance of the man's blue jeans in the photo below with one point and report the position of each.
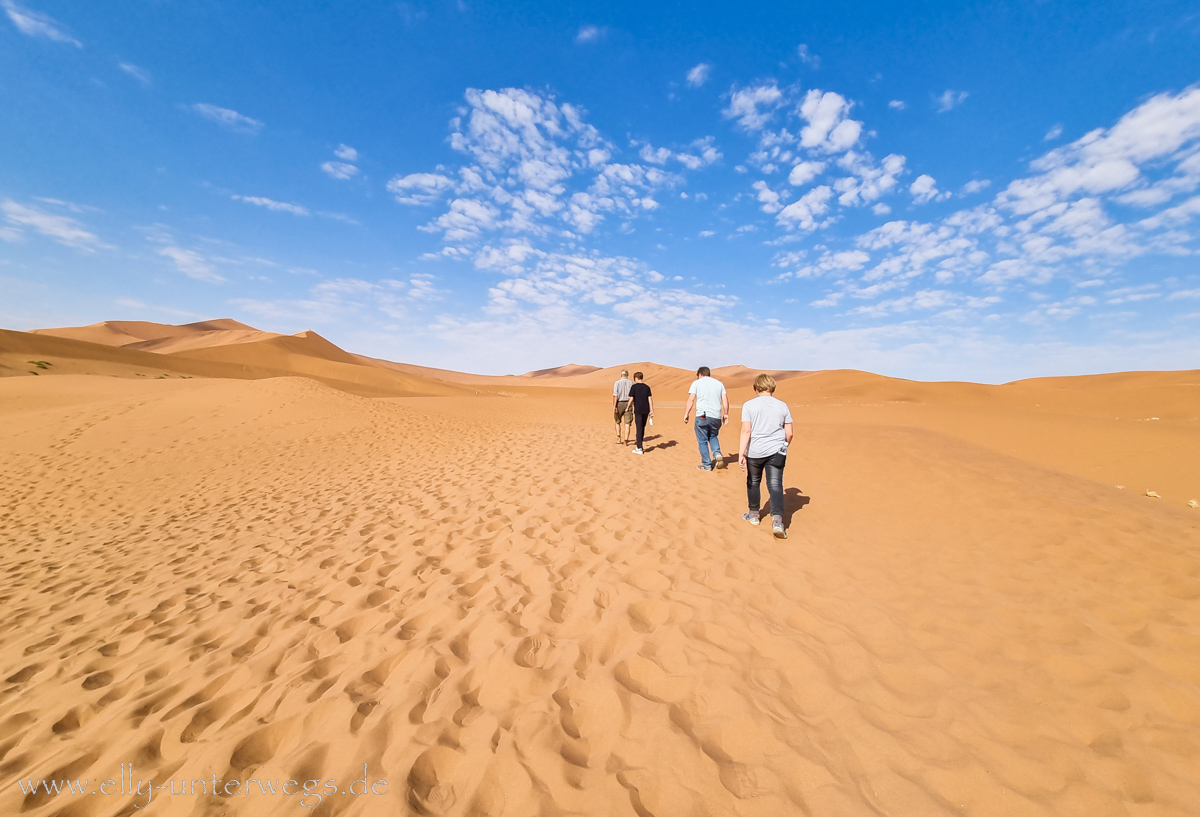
(707, 430)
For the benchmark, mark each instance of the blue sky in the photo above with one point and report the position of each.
(945, 191)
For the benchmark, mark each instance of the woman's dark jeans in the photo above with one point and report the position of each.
(773, 466)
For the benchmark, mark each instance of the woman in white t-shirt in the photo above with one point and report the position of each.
(766, 432)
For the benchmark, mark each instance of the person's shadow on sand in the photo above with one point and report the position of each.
(667, 444)
(793, 501)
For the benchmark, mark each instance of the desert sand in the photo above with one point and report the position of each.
(261, 557)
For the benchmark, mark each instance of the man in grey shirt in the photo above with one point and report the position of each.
(622, 406)
(711, 400)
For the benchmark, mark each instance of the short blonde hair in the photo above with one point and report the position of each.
(764, 382)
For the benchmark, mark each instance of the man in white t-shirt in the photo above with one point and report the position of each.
(766, 432)
(623, 406)
(711, 400)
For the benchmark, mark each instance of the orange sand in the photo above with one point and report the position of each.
(292, 564)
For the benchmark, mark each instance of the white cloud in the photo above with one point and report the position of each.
(881, 209)
(976, 185)
(226, 118)
(950, 99)
(536, 167)
(897, 105)
(589, 34)
(925, 299)
(585, 292)
(802, 213)
(817, 134)
(657, 156)
(699, 75)
(419, 188)
(466, 219)
(768, 197)
(701, 153)
(339, 170)
(351, 300)
(706, 233)
(1173, 216)
(271, 204)
(1054, 133)
(807, 57)
(868, 181)
(191, 263)
(835, 262)
(829, 128)
(805, 172)
(36, 24)
(342, 169)
(753, 107)
(1132, 294)
(63, 229)
(924, 190)
(1106, 161)
(140, 74)
(1052, 224)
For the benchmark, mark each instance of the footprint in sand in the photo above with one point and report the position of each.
(604, 597)
(651, 581)
(648, 615)
(535, 652)
(431, 780)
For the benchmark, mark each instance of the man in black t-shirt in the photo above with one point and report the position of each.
(643, 408)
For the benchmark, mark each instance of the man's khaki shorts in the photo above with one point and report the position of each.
(623, 413)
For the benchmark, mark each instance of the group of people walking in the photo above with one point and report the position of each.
(762, 445)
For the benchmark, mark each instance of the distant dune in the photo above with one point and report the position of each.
(121, 353)
(153, 337)
(570, 370)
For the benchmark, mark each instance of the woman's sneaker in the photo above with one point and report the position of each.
(637, 451)
(777, 529)
(752, 518)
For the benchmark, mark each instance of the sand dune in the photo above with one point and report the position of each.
(500, 612)
(569, 370)
(660, 377)
(300, 561)
(446, 375)
(1140, 430)
(309, 355)
(201, 340)
(141, 333)
(162, 337)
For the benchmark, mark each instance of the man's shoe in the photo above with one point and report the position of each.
(752, 518)
(703, 468)
(777, 529)
(637, 451)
